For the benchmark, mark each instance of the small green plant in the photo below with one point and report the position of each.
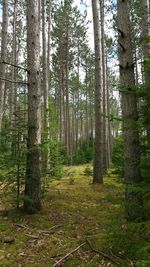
(88, 171)
(71, 180)
(118, 156)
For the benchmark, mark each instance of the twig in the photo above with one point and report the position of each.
(10, 81)
(13, 65)
(21, 225)
(68, 254)
(101, 253)
(121, 257)
(32, 236)
(50, 230)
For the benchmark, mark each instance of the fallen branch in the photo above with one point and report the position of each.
(101, 253)
(21, 225)
(32, 236)
(50, 230)
(68, 254)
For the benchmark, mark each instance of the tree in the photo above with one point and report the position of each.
(129, 112)
(32, 201)
(98, 157)
(45, 89)
(3, 57)
(145, 20)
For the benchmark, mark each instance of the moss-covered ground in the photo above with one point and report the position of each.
(75, 212)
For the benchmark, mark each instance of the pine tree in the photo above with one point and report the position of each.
(32, 201)
(98, 157)
(129, 112)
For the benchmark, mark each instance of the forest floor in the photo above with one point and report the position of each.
(81, 224)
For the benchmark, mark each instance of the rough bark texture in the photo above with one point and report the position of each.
(146, 53)
(32, 184)
(45, 89)
(14, 85)
(3, 57)
(129, 112)
(98, 158)
(105, 150)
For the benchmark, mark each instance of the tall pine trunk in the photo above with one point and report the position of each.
(129, 113)
(45, 90)
(32, 201)
(98, 157)
(146, 53)
(3, 57)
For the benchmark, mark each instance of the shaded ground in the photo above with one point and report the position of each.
(75, 213)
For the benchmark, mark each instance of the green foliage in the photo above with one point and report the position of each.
(88, 171)
(135, 248)
(71, 180)
(5, 136)
(84, 153)
(55, 159)
(118, 156)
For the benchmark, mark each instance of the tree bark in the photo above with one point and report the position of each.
(105, 154)
(32, 202)
(3, 57)
(45, 90)
(146, 53)
(98, 157)
(129, 112)
(14, 62)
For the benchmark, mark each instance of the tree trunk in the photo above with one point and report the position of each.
(146, 53)
(14, 58)
(129, 113)
(32, 202)
(105, 165)
(3, 57)
(98, 157)
(45, 89)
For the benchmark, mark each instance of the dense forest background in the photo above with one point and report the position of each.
(75, 90)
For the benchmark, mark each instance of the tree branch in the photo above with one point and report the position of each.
(13, 65)
(7, 80)
(101, 253)
(68, 254)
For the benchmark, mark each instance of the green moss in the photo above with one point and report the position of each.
(81, 210)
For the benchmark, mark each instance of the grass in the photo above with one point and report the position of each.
(80, 211)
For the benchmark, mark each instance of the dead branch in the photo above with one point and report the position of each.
(21, 225)
(68, 254)
(13, 65)
(10, 81)
(101, 253)
(50, 230)
(32, 236)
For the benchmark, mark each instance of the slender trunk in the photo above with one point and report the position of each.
(146, 53)
(105, 165)
(45, 89)
(98, 158)
(14, 73)
(49, 45)
(109, 134)
(3, 57)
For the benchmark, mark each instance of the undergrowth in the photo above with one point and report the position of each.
(75, 212)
